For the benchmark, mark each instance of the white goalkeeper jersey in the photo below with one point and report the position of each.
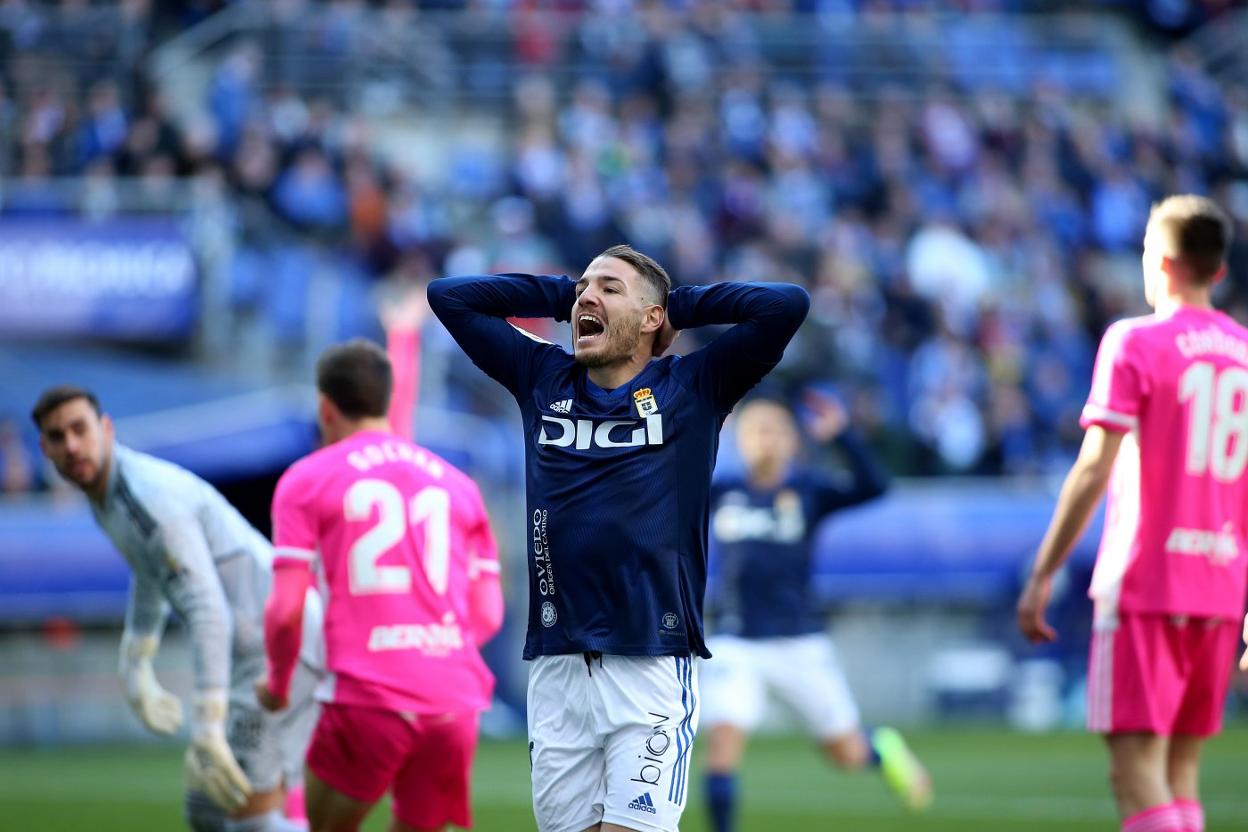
(189, 549)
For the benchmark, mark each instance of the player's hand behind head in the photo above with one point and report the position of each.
(664, 338)
(1243, 661)
(1031, 607)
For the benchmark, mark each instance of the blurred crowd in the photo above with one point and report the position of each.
(964, 246)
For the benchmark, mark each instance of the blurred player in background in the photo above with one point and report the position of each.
(619, 450)
(1167, 432)
(190, 549)
(401, 544)
(769, 632)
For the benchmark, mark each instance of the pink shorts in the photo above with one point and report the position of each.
(1160, 674)
(425, 761)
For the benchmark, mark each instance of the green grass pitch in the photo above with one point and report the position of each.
(985, 780)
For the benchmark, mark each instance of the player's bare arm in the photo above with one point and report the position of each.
(1243, 661)
(1082, 490)
(403, 318)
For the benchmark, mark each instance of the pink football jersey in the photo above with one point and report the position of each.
(1174, 539)
(397, 537)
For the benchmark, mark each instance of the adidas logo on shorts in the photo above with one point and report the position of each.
(643, 804)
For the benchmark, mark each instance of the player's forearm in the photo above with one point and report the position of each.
(403, 348)
(283, 626)
(766, 315)
(1080, 494)
(135, 652)
(146, 610)
(779, 308)
(502, 296)
(869, 479)
(212, 636)
(485, 604)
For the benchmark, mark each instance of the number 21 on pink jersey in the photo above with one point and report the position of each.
(430, 507)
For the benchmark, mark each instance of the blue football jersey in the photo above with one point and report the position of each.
(763, 545)
(618, 481)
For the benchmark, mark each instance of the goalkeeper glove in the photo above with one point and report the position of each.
(156, 707)
(210, 765)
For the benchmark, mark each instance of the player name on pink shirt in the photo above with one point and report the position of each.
(1174, 539)
(398, 538)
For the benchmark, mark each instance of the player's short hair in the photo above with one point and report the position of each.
(356, 377)
(765, 396)
(52, 398)
(778, 403)
(1194, 230)
(646, 266)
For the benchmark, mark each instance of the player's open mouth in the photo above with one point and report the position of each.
(589, 328)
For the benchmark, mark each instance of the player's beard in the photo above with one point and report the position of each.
(87, 481)
(623, 338)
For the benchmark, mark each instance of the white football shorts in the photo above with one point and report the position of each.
(803, 672)
(610, 740)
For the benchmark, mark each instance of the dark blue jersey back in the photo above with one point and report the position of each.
(618, 482)
(763, 546)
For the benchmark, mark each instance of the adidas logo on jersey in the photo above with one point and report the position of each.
(562, 406)
(643, 804)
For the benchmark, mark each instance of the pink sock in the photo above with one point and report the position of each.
(294, 804)
(1157, 819)
(1192, 814)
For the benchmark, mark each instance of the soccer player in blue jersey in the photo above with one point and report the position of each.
(619, 450)
(768, 629)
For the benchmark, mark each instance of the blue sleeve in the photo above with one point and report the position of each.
(766, 316)
(867, 479)
(475, 311)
